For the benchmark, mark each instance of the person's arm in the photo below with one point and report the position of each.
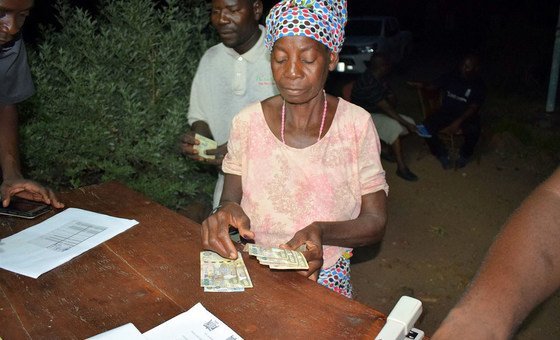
(9, 155)
(215, 229)
(367, 228)
(474, 102)
(13, 183)
(202, 128)
(188, 141)
(456, 124)
(521, 269)
(389, 110)
(200, 96)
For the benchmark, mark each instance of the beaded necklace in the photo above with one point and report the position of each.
(322, 119)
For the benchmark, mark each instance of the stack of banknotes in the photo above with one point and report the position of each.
(277, 258)
(219, 274)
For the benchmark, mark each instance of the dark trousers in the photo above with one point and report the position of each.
(439, 120)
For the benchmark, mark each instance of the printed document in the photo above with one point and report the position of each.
(128, 332)
(196, 323)
(57, 240)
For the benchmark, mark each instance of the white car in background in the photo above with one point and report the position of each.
(367, 35)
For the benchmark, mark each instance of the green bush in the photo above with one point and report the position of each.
(112, 96)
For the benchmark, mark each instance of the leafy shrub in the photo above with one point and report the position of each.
(112, 96)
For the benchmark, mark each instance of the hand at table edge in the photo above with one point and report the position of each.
(215, 229)
(28, 189)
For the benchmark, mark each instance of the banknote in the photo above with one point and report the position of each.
(222, 290)
(277, 258)
(205, 144)
(219, 274)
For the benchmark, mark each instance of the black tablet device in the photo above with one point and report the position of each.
(20, 207)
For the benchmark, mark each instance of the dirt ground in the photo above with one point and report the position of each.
(441, 226)
(438, 232)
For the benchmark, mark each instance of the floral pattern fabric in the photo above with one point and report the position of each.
(337, 277)
(285, 189)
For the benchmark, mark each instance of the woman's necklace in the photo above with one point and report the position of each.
(322, 119)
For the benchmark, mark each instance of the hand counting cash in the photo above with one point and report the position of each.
(277, 258)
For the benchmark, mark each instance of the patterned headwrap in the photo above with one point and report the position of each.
(321, 20)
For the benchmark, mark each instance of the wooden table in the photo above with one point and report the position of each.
(151, 273)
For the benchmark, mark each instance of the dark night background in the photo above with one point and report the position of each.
(444, 223)
(515, 37)
(455, 22)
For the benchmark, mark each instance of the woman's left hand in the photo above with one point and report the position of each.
(311, 238)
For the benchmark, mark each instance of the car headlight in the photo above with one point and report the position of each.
(341, 66)
(368, 48)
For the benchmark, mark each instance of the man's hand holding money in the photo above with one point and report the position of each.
(215, 229)
(202, 149)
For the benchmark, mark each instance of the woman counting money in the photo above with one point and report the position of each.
(303, 167)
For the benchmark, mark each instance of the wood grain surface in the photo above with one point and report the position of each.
(151, 273)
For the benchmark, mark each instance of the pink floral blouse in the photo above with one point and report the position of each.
(285, 189)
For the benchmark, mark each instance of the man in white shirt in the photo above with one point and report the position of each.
(230, 76)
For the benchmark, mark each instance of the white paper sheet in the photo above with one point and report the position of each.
(128, 332)
(196, 323)
(57, 240)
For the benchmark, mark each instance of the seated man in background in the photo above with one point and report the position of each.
(463, 93)
(521, 269)
(16, 85)
(372, 92)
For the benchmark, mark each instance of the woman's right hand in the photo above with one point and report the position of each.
(215, 229)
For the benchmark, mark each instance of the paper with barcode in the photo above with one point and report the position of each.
(219, 274)
(196, 323)
(205, 144)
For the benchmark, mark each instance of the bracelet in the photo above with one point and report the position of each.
(216, 209)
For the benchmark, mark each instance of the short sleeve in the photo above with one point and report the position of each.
(372, 175)
(197, 98)
(232, 163)
(16, 83)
